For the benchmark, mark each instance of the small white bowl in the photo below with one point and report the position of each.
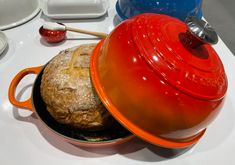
(16, 12)
(70, 9)
(3, 42)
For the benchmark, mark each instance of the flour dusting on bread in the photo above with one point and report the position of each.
(67, 90)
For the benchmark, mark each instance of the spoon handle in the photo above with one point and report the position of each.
(98, 34)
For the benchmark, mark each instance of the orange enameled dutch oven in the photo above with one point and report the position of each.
(106, 138)
(161, 78)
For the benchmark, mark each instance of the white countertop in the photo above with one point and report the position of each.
(25, 140)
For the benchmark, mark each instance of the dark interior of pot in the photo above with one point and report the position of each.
(116, 132)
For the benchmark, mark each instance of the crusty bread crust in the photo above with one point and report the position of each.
(68, 93)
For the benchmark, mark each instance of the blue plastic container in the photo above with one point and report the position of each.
(180, 9)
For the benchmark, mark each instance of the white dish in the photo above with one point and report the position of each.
(71, 9)
(3, 42)
(16, 12)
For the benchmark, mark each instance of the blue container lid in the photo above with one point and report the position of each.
(180, 9)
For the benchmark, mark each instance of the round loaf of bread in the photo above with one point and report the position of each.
(67, 90)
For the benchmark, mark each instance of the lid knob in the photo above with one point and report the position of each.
(200, 32)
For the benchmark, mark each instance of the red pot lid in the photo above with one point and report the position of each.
(181, 59)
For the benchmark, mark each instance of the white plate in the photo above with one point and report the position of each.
(3, 42)
(71, 9)
(16, 12)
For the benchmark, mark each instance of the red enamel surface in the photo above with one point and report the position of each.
(52, 36)
(143, 83)
(162, 42)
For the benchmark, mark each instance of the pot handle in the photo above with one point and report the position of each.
(14, 83)
(200, 32)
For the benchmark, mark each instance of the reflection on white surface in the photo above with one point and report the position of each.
(6, 105)
(8, 53)
(21, 43)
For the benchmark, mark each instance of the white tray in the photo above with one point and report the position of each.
(72, 9)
